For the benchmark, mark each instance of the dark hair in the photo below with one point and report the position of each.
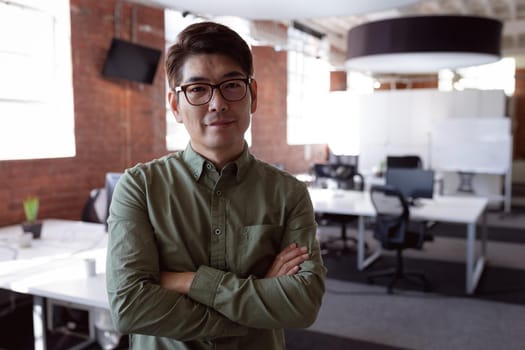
(206, 38)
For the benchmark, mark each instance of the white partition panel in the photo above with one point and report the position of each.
(451, 131)
(402, 122)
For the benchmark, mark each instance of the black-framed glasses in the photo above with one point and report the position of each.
(198, 94)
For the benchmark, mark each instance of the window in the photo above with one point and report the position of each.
(493, 76)
(36, 95)
(176, 135)
(308, 88)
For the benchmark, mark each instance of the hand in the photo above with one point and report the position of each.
(177, 281)
(288, 261)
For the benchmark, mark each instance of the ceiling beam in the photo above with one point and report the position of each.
(460, 6)
(514, 27)
(489, 11)
(511, 4)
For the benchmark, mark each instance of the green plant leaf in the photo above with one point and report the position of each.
(31, 205)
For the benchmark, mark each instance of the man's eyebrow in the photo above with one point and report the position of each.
(232, 74)
(195, 79)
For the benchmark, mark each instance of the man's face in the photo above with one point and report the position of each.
(218, 125)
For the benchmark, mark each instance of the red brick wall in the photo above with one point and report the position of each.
(269, 121)
(117, 124)
(430, 83)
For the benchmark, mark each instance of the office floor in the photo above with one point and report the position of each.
(357, 315)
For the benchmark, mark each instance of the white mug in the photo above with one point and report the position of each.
(91, 267)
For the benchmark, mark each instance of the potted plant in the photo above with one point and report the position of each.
(31, 205)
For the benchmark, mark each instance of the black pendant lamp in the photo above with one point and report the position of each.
(423, 44)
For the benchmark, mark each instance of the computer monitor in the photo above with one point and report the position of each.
(409, 161)
(111, 182)
(412, 183)
(343, 159)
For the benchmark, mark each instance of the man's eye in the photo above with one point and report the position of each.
(195, 89)
(232, 85)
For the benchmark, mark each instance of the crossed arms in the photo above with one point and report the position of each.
(286, 263)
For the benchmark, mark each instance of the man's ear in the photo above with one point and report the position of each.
(253, 92)
(173, 99)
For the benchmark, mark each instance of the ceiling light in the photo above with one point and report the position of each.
(423, 44)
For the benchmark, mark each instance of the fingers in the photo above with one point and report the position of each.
(288, 261)
(293, 271)
(291, 267)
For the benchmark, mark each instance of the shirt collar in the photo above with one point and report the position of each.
(196, 162)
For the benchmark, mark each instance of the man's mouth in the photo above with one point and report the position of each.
(221, 123)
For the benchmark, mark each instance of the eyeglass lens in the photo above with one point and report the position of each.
(201, 93)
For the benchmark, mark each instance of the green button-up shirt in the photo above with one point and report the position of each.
(179, 213)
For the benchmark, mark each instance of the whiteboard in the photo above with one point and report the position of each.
(481, 145)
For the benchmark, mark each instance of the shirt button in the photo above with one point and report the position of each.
(218, 193)
(217, 231)
(208, 166)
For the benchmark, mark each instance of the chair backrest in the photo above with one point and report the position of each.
(392, 215)
(111, 183)
(410, 161)
(95, 207)
(344, 175)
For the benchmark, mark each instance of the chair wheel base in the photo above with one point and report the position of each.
(416, 278)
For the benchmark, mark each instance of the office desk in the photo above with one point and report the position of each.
(462, 210)
(54, 268)
(78, 292)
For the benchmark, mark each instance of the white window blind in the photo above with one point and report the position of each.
(36, 94)
(308, 88)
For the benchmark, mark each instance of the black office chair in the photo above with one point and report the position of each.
(95, 206)
(409, 161)
(344, 176)
(392, 230)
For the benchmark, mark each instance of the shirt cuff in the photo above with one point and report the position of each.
(205, 285)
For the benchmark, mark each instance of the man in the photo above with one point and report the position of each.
(210, 248)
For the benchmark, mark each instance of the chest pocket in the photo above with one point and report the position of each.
(259, 245)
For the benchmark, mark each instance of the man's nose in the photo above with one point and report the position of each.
(217, 102)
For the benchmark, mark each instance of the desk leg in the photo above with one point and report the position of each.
(363, 263)
(474, 266)
(39, 327)
(360, 242)
(484, 235)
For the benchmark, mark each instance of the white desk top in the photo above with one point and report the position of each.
(89, 291)
(344, 202)
(441, 208)
(54, 266)
(60, 238)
